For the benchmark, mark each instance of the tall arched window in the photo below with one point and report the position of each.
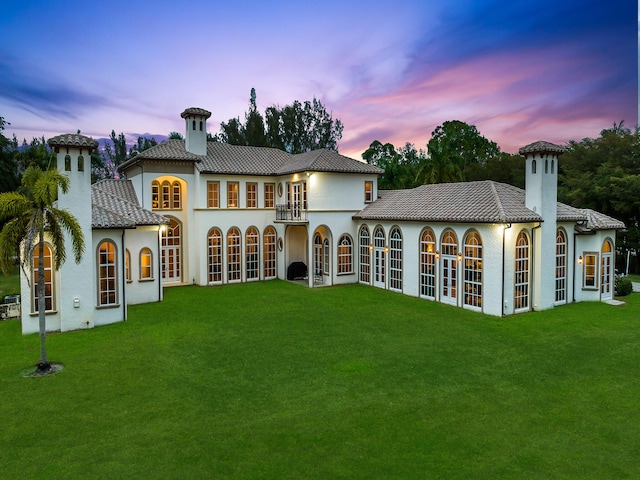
(325, 256)
(127, 265)
(176, 196)
(107, 274)
(67, 163)
(561, 266)
(345, 254)
(252, 253)
(269, 256)
(473, 270)
(606, 270)
(379, 256)
(214, 256)
(449, 267)
(81, 163)
(146, 264)
(427, 264)
(172, 251)
(234, 259)
(533, 166)
(365, 266)
(521, 300)
(395, 259)
(166, 195)
(317, 255)
(48, 279)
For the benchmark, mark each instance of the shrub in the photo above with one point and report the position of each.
(624, 286)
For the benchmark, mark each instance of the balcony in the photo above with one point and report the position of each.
(292, 213)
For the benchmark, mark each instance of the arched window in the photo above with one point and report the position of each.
(546, 166)
(345, 254)
(146, 264)
(533, 166)
(67, 163)
(427, 264)
(81, 163)
(473, 270)
(325, 256)
(155, 195)
(395, 259)
(48, 279)
(107, 274)
(269, 256)
(552, 166)
(175, 199)
(317, 255)
(214, 256)
(379, 257)
(365, 267)
(521, 300)
(561, 266)
(606, 269)
(449, 267)
(127, 265)
(172, 251)
(234, 259)
(252, 253)
(200, 125)
(193, 125)
(166, 195)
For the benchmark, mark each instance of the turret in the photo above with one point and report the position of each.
(541, 196)
(196, 129)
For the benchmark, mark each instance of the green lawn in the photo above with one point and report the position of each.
(9, 284)
(277, 381)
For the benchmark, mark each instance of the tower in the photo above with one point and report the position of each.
(77, 281)
(196, 129)
(541, 187)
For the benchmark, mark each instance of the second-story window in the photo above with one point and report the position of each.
(269, 195)
(252, 195)
(232, 194)
(213, 194)
(166, 195)
(368, 192)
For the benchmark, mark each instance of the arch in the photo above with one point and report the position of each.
(165, 202)
(234, 259)
(201, 123)
(49, 279)
(67, 163)
(176, 196)
(193, 125)
(345, 254)
(379, 257)
(80, 163)
(107, 274)
(552, 166)
(326, 257)
(606, 269)
(252, 253)
(533, 167)
(473, 269)
(522, 272)
(171, 237)
(395, 259)
(449, 266)
(146, 264)
(427, 263)
(318, 260)
(365, 256)
(166, 194)
(561, 266)
(269, 248)
(214, 256)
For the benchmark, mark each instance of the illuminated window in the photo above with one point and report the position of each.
(175, 199)
(155, 195)
(345, 254)
(232, 194)
(269, 245)
(146, 264)
(428, 264)
(561, 266)
(269, 195)
(590, 274)
(213, 194)
(473, 270)
(325, 256)
(215, 256)
(127, 265)
(48, 279)
(395, 259)
(107, 274)
(252, 195)
(368, 192)
(606, 268)
(234, 259)
(252, 247)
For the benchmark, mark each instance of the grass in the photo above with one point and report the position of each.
(276, 381)
(9, 284)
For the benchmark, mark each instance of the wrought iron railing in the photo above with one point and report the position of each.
(292, 212)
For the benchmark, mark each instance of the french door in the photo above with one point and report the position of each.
(449, 288)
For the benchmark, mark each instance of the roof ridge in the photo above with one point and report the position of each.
(501, 211)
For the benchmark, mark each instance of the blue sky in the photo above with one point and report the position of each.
(390, 70)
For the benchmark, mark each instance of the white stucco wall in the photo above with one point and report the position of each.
(140, 290)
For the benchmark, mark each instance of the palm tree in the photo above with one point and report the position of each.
(29, 216)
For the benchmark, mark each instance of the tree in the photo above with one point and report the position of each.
(460, 144)
(604, 174)
(295, 128)
(31, 215)
(505, 168)
(9, 180)
(175, 136)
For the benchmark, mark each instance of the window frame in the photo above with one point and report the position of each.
(233, 195)
(49, 280)
(586, 266)
(561, 267)
(269, 257)
(214, 256)
(145, 252)
(234, 255)
(522, 296)
(269, 195)
(364, 237)
(472, 270)
(395, 259)
(213, 194)
(368, 191)
(252, 194)
(252, 254)
(345, 255)
(107, 275)
(428, 263)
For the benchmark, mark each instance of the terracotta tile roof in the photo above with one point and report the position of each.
(115, 205)
(470, 202)
(196, 112)
(541, 147)
(222, 158)
(600, 221)
(72, 140)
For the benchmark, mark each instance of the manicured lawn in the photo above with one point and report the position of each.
(276, 381)
(9, 284)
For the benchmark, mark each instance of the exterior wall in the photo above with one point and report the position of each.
(116, 313)
(338, 192)
(139, 290)
(591, 244)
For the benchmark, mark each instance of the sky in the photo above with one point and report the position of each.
(520, 71)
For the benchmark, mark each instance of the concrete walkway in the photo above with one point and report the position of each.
(636, 286)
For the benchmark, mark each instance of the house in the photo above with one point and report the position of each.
(240, 214)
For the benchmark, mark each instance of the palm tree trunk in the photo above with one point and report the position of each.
(43, 365)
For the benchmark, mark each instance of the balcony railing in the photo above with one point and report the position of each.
(292, 212)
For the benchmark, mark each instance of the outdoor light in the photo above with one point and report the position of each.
(580, 259)
(386, 249)
(371, 248)
(459, 257)
(437, 253)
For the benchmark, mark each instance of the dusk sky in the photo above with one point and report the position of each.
(519, 70)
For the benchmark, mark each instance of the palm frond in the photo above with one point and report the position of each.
(73, 229)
